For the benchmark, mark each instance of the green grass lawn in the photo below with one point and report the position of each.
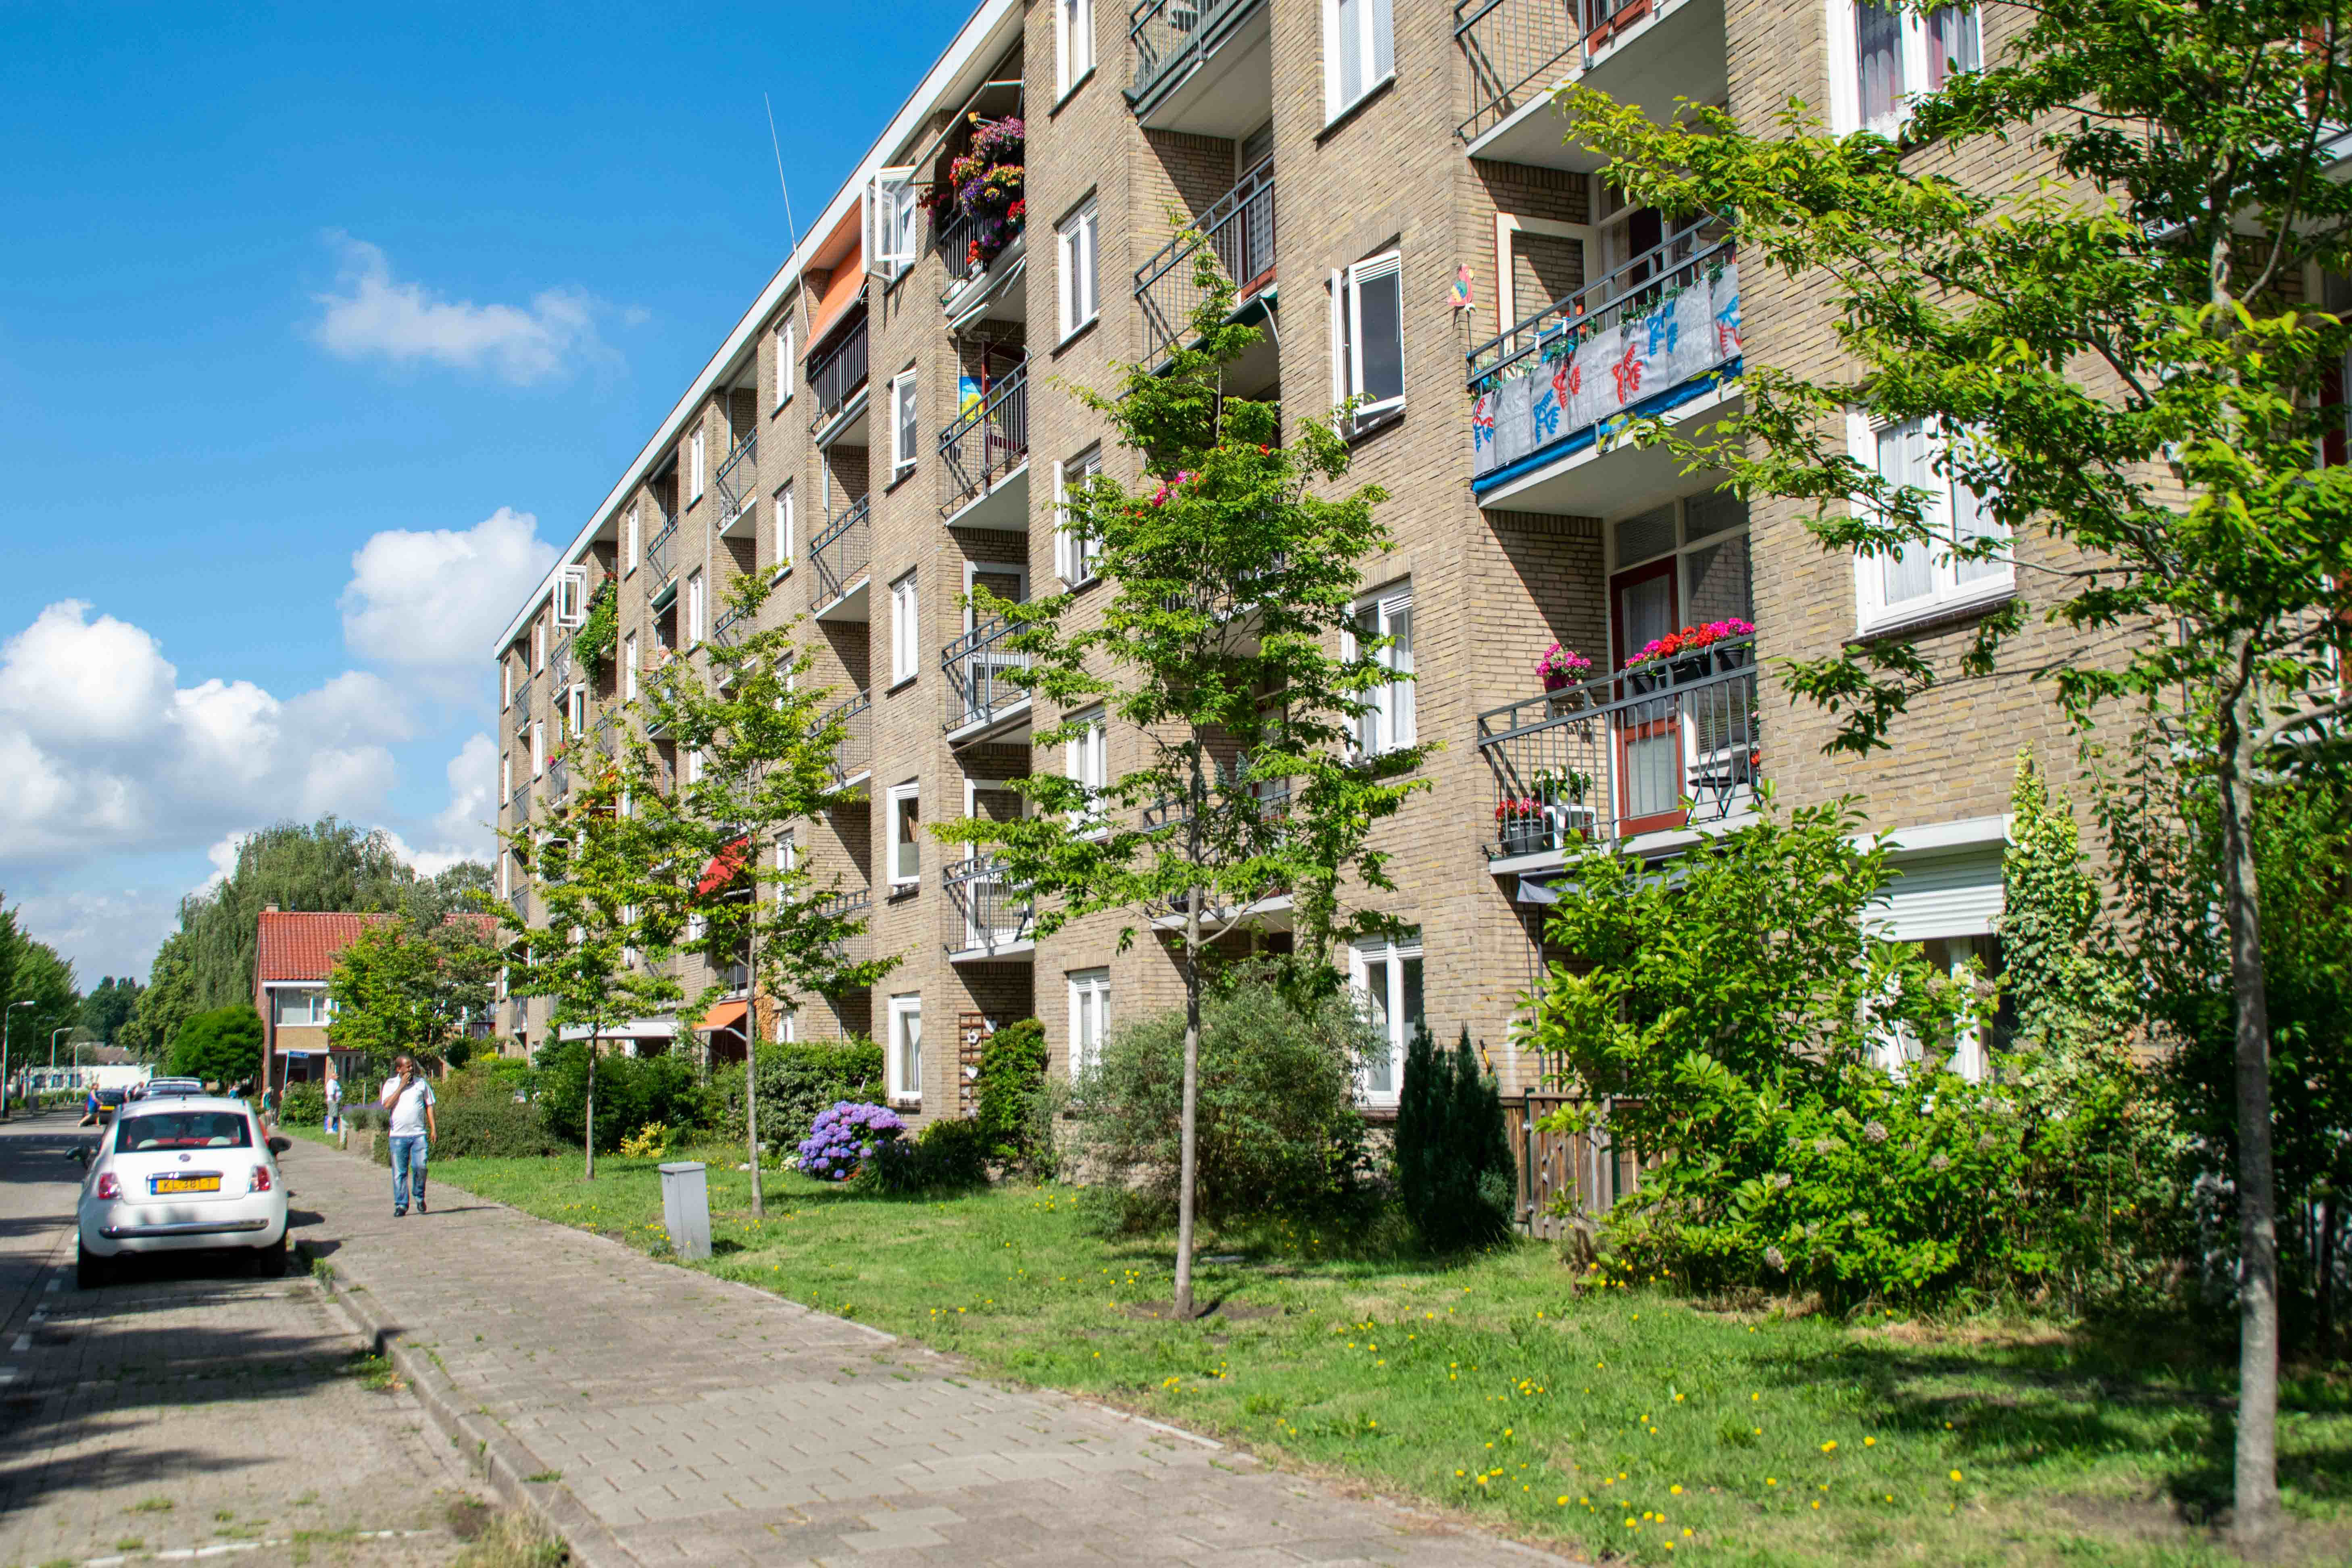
(1612, 1421)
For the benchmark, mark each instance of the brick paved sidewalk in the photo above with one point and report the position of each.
(697, 1421)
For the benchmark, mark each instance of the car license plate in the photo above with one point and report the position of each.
(189, 1184)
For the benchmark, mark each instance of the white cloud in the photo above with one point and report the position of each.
(107, 933)
(438, 598)
(372, 315)
(473, 796)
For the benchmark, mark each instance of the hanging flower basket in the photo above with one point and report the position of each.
(1559, 668)
(983, 191)
(1687, 654)
(1523, 826)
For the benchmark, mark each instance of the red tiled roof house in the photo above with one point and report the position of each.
(294, 954)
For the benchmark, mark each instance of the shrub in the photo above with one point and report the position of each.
(1012, 1068)
(630, 1092)
(500, 1077)
(222, 1047)
(495, 1126)
(951, 1152)
(1277, 1127)
(303, 1102)
(651, 1141)
(1454, 1170)
(797, 1081)
(844, 1136)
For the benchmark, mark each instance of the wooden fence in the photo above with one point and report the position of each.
(1585, 1168)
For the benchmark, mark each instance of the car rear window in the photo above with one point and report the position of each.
(183, 1130)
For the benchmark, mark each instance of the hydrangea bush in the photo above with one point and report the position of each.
(845, 1135)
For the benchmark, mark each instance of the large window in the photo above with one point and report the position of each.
(906, 1065)
(1388, 724)
(905, 825)
(1074, 268)
(1074, 43)
(784, 362)
(1386, 977)
(902, 426)
(1358, 51)
(1922, 578)
(1881, 56)
(1085, 758)
(1368, 337)
(1075, 549)
(905, 657)
(302, 1007)
(1089, 1017)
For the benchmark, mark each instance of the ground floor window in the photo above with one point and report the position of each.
(1386, 977)
(1089, 1017)
(905, 1065)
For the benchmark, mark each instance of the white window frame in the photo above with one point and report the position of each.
(906, 630)
(1089, 1017)
(905, 427)
(538, 747)
(1074, 553)
(785, 523)
(1394, 721)
(575, 710)
(891, 222)
(506, 683)
(1076, 269)
(629, 668)
(1347, 327)
(571, 597)
(1074, 45)
(697, 607)
(696, 448)
(901, 800)
(629, 541)
(904, 1072)
(539, 645)
(1375, 53)
(1845, 68)
(1946, 594)
(1085, 757)
(1395, 953)
(783, 337)
(506, 776)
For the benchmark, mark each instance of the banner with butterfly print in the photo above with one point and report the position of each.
(1556, 392)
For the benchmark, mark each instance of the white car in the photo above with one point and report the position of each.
(170, 1087)
(180, 1175)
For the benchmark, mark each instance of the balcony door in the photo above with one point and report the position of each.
(992, 915)
(1642, 607)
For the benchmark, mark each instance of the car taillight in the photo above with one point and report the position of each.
(260, 1180)
(108, 1187)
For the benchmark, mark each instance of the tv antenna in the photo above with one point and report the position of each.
(789, 227)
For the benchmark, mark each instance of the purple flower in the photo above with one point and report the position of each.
(844, 1136)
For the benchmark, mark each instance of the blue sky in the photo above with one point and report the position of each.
(319, 327)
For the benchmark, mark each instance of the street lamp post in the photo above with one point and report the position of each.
(7, 1023)
(60, 1029)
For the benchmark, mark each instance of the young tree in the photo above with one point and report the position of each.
(222, 1047)
(610, 870)
(399, 988)
(1230, 642)
(2121, 357)
(762, 754)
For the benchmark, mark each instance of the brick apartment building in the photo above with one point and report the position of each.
(889, 422)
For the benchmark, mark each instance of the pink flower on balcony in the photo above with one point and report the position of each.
(1691, 639)
(1162, 496)
(1560, 667)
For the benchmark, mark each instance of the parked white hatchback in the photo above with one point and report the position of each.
(181, 1175)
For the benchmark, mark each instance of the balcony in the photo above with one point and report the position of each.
(519, 803)
(560, 667)
(983, 700)
(1518, 51)
(992, 917)
(1200, 66)
(836, 376)
(559, 778)
(519, 706)
(1239, 227)
(518, 900)
(738, 483)
(985, 456)
(843, 558)
(661, 558)
(604, 735)
(853, 759)
(732, 627)
(1666, 746)
(847, 906)
(1660, 335)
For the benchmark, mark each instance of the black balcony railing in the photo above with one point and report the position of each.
(559, 778)
(738, 478)
(1517, 49)
(1167, 37)
(518, 900)
(991, 909)
(661, 552)
(981, 690)
(1608, 301)
(559, 665)
(1663, 744)
(732, 627)
(1239, 229)
(842, 552)
(604, 735)
(845, 906)
(987, 443)
(836, 373)
(518, 705)
(519, 803)
(855, 753)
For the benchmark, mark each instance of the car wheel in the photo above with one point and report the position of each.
(90, 1270)
(269, 1262)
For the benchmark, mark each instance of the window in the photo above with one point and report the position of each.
(902, 426)
(1388, 723)
(539, 645)
(538, 747)
(1089, 1017)
(905, 828)
(1920, 579)
(1084, 758)
(506, 684)
(694, 450)
(1074, 43)
(575, 712)
(1368, 337)
(1076, 550)
(691, 771)
(572, 596)
(1358, 51)
(629, 543)
(506, 775)
(1882, 56)
(903, 643)
(303, 1007)
(788, 854)
(784, 362)
(697, 618)
(629, 668)
(1386, 977)
(890, 211)
(1074, 271)
(905, 1067)
(784, 521)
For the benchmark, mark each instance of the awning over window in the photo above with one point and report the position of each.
(724, 868)
(725, 1015)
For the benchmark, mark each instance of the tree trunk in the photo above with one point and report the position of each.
(2327, 1282)
(2254, 1525)
(752, 1075)
(589, 1141)
(1188, 1141)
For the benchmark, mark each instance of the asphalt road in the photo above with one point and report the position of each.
(192, 1411)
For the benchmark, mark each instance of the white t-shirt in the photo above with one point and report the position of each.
(408, 1109)
(334, 1089)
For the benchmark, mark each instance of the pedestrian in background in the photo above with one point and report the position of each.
(410, 1100)
(334, 1101)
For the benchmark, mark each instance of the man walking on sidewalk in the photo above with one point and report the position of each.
(410, 1100)
(334, 1098)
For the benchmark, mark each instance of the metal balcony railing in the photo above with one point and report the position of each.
(992, 911)
(519, 704)
(518, 900)
(977, 666)
(732, 628)
(1660, 745)
(854, 754)
(519, 803)
(842, 906)
(842, 553)
(987, 443)
(604, 735)
(738, 478)
(1517, 51)
(559, 778)
(1684, 257)
(661, 553)
(1604, 19)
(1166, 38)
(1239, 229)
(560, 666)
(836, 374)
